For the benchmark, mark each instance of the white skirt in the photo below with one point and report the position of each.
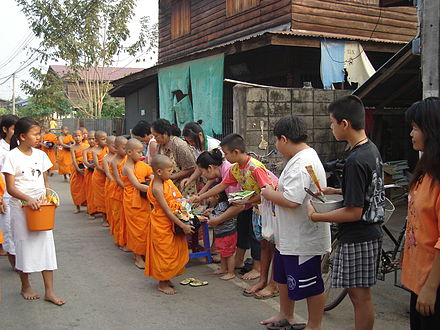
(34, 251)
(5, 226)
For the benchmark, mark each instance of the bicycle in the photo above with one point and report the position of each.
(389, 260)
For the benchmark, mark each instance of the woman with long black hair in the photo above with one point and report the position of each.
(421, 257)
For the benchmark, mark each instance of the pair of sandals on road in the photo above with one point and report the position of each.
(194, 282)
(285, 325)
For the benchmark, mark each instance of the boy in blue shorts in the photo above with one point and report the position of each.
(299, 242)
(359, 221)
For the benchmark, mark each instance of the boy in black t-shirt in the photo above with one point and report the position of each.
(359, 220)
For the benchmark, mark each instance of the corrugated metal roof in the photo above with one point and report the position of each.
(105, 74)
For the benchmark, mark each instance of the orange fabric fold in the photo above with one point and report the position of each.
(77, 180)
(118, 229)
(166, 253)
(98, 184)
(64, 159)
(91, 208)
(137, 210)
(51, 152)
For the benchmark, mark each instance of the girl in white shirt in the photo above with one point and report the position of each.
(25, 169)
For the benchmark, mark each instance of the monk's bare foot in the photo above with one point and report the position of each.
(29, 294)
(219, 271)
(124, 249)
(227, 277)
(139, 263)
(255, 288)
(252, 275)
(171, 284)
(91, 217)
(165, 288)
(105, 224)
(76, 211)
(54, 299)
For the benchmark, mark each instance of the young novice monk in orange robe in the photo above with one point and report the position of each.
(88, 173)
(85, 134)
(136, 209)
(167, 253)
(49, 147)
(109, 181)
(65, 140)
(77, 173)
(118, 161)
(98, 178)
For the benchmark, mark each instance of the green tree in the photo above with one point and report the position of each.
(113, 107)
(87, 35)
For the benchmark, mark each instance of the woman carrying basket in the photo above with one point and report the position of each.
(25, 169)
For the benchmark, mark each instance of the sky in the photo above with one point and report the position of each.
(15, 32)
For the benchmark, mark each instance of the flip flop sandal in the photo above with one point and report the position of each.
(261, 297)
(248, 294)
(296, 326)
(278, 325)
(187, 281)
(198, 283)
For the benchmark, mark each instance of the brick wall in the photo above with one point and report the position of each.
(252, 104)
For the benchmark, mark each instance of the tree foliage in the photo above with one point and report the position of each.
(87, 35)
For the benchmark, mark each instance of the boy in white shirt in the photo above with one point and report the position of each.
(299, 242)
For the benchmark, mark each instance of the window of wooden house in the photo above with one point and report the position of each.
(234, 7)
(180, 18)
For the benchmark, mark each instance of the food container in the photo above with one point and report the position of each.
(333, 202)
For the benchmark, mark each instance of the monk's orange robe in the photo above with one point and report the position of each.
(64, 159)
(91, 208)
(137, 209)
(77, 183)
(167, 253)
(108, 188)
(119, 223)
(50, 139)
(98, 184)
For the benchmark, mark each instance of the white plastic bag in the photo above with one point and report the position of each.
(267, 210)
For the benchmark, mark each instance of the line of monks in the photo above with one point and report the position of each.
(109, 177)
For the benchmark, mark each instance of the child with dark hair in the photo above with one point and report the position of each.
(142, 132)
(25, 169)
(421, 257)
(223, 218)
(7, 127)
(359, 220)
(299, 242)
(249, 174)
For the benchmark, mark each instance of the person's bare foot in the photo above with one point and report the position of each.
(124, 249)
(276, 318)
(268, 292)
(252, 275)
(227, 277)
(171, 284)
(91, 217)
(76, 211)
(105, 224)
(219, 271)
(139, 262)
(255, 287)
(165, 288)
(54, 299)
(29, 294)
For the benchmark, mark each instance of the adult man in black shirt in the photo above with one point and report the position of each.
(359, 220)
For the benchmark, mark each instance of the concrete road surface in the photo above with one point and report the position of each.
(104, 290)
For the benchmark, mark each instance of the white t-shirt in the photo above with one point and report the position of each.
(28, 170)
(4, 149)
(294, 233)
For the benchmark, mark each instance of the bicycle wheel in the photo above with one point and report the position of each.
(333, 296)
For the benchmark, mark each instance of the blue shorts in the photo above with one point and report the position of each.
(303, 280)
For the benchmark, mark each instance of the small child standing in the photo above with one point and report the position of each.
(166, 253)
(25, 169)
(88, 162)
(77, 172)
(99, 177)
(223, 219)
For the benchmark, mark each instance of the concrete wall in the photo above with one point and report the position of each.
(252, 104)
(141, 105)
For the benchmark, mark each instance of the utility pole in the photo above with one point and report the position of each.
(13, 93)
(430, 50)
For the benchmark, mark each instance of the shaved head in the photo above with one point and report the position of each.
(77, 131)
(159, 162)
(83, 129)
(100, 134)
(120, 141)
(111, 139)
(134, 144)
(92, 134)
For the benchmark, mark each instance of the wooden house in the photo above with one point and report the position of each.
(268, 42)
